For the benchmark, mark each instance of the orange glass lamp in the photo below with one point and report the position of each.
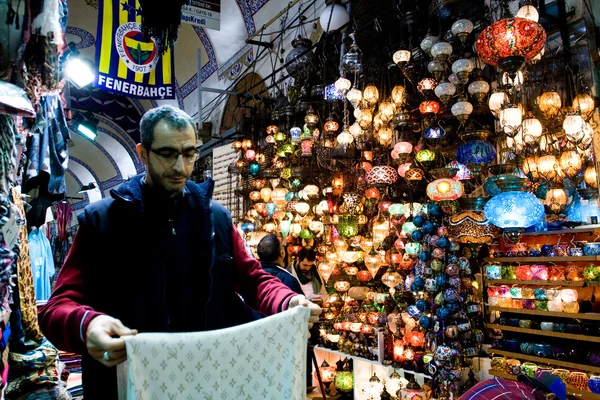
(327, 373)
(414, 339)
(445, 189)
(429, 107)
(398, 351)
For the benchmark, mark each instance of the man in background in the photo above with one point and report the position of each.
(271, 254)
(304, 269)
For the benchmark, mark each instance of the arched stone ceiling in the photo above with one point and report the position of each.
(112, 158)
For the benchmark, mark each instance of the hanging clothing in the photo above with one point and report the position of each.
(42, 263)
(48, 149)
(260, 360)
(27, 303)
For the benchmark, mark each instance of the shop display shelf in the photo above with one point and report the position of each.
(542, 259)
(539, 332)
(579, 393)
(540, 283)
(566, 364)
(374, 362)
(590, 316)
(567, 231)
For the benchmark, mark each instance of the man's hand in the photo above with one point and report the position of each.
(104, 335)
(300, 301)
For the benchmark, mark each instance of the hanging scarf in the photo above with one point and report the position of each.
(64, 211)
(314, 278)
(161, 22)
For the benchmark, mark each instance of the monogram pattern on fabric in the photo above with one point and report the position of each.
(25, 282)
(265, 359)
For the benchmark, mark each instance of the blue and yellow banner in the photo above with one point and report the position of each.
(129, 63)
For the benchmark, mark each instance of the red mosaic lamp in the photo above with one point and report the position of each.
(510, 42)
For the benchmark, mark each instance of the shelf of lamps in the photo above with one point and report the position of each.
(374, 362)
(539, 332)
(569, 231)
(579, 393)
(566, 364)
(540, 283)
(591, 316)
(542, 259)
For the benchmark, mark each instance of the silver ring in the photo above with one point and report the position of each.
(106, 356)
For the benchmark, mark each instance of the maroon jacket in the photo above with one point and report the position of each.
(62, 317)
(158, 267)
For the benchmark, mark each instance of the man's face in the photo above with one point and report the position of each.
(170, 159)
(306, 265)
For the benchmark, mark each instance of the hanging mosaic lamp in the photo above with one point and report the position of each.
(476, 151)
(444, 188)
(382, 175)
(509, 43)
(514, 209)
(471, 225)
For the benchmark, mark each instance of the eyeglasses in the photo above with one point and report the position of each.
(171, 155)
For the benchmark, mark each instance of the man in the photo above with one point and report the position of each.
(545, 386)
(271, 254)
(157, 256)
(304, 269)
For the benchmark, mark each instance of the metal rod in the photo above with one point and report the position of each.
(567, 55)
(199, 80)
(275, 18)
(311, 351)
(222, 91)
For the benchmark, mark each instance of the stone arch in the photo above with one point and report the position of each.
(232, 113)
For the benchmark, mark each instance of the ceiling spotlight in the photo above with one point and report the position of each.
(86, 124)
(80, 71)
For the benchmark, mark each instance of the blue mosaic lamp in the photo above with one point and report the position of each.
(514, 209)
(331, 93)
(434, 132)
(477, 151)
(295, 134)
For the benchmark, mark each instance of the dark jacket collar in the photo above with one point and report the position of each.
(132, 191)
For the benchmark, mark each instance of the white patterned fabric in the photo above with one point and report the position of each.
(265, 359)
